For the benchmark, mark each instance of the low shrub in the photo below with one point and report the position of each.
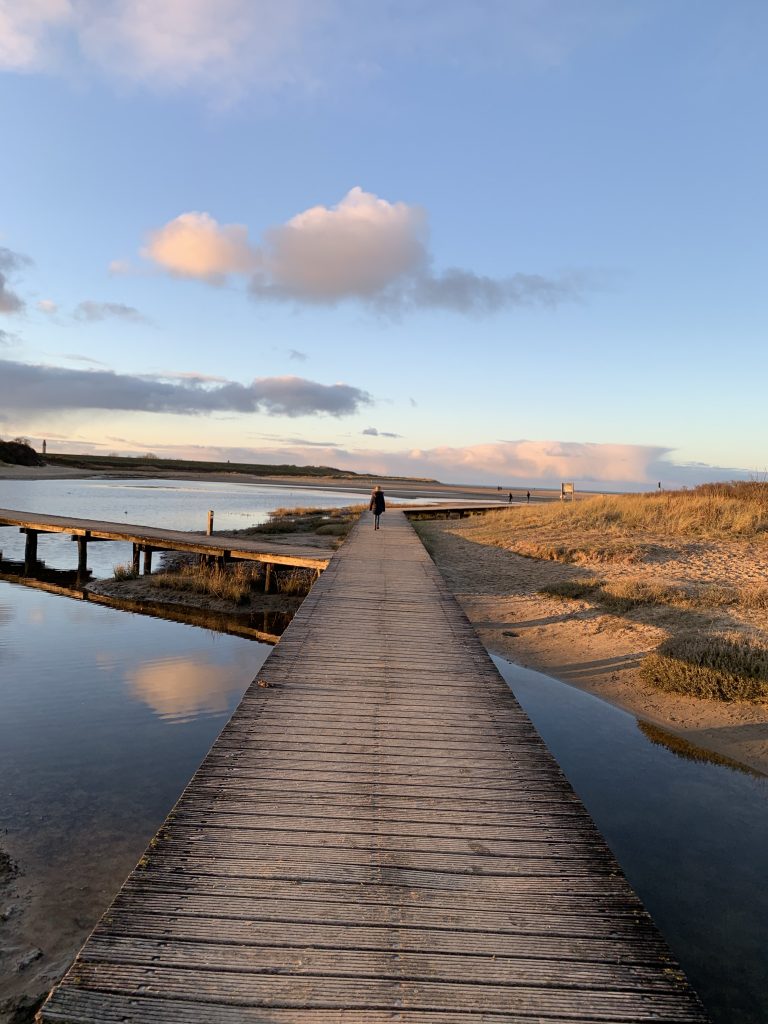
(725, 666)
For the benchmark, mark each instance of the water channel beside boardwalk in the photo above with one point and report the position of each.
(105, 715)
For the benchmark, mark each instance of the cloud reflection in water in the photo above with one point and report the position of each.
(182, 689)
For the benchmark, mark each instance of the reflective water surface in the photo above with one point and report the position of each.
(692, 837)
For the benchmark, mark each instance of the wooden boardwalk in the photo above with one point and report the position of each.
(378, 836)
(150, 538)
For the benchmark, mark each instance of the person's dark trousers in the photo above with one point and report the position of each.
(375, 521)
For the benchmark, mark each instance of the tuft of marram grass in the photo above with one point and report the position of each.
(124, 571)
(724, 666)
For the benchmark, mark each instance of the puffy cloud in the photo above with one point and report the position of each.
(364, 248)
(95, 311)
(50, 388)
(357, 248)
(47, 306)
(10, 262)
(195, 245)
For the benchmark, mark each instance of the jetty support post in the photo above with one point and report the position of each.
(135, 559)
(82, 554)
(147, 561)
(30, 550)
(269, 578)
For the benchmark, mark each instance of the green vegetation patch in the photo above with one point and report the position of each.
(725, 666)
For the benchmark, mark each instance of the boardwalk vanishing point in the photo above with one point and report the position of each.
(378, 836)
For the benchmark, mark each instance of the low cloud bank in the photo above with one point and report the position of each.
(364, 248)
(520, 464)
(29, 388)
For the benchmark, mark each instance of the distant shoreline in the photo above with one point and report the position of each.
(357, 484)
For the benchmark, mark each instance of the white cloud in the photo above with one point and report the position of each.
(224, 49)
(195, 245)
(47, 306)
(364, 248)
(26, 28)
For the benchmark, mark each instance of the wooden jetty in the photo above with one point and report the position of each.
(148, 539)
(378, 836)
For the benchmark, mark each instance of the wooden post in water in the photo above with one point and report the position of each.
(82, 555)
(147, 561)
(269, 578)
(135, 559)
(30, 550)
(209, 531)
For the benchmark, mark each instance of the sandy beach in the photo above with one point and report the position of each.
(581, 644)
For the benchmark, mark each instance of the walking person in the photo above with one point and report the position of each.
(376, 505)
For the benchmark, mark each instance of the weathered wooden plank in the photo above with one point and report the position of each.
(79, 1006)
(328, 992)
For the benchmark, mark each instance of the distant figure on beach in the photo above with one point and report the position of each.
(527, 495)
(377, 505)
(510, 496)
(45, 447)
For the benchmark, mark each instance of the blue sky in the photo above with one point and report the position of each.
(513, 242)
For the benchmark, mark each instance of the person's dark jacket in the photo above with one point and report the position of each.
(377, 505)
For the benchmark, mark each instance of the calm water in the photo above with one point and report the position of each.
(691, 837)
(104, 716)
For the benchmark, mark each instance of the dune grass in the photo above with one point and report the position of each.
(732, 511)
(725, 666)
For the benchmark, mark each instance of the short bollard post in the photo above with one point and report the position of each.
(209, 531)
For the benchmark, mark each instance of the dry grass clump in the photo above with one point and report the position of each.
(334, 521)
(124, 571)
(625, 553)
(231, 583)
(575, 590)
(295, 581)
(635, 592)
(724, 666)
